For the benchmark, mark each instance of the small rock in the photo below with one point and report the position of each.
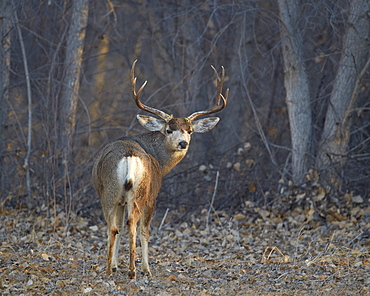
(202, 168)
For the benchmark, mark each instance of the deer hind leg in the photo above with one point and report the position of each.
(132, 219)
(120, 215)
(112, 238)
(144, 236)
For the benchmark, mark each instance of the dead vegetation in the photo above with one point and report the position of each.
(237, 239)
(288, 248)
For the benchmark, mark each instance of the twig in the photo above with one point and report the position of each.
(164, 218)
(213, 197)
(270, 250)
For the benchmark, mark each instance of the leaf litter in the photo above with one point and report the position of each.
(286, 249)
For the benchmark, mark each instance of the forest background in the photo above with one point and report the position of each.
(297, 119)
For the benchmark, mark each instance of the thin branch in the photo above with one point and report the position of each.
(213, 197)
(29, 96)
(163, 219)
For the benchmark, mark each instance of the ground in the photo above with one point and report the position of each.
(254, 251)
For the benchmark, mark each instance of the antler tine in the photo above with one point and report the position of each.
(220, 82)
(133, 86)
(136, 96)
(219, 96)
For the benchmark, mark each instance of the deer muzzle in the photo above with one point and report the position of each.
(183, 145)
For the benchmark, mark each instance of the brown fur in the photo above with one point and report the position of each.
(180, 124)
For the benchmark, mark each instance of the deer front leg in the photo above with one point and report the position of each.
(144, 236)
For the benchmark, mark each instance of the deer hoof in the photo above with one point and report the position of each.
(147, 273)
(114, 269)
(131, 274)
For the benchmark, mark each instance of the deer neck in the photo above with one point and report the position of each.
(154, 143)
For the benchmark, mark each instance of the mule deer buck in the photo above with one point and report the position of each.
(128, 172)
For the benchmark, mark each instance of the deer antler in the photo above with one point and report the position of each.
(219, 96)
(136, 96)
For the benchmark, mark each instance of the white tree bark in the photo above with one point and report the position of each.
(352, 67)
(297, 88)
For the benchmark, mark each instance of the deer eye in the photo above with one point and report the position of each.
(169, 132)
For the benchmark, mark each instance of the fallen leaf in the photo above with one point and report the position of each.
(172, 278)
(357, 199)
(320, 194)
(46, 257)
(239, 216)
(87, 290)
(237, 166)
(249, 162)
(264, 214)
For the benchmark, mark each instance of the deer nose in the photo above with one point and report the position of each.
(183, 144)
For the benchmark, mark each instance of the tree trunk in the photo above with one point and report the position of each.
(297, 88)
(73, 61)
(70, 92)
(6, 28)
(352, 67)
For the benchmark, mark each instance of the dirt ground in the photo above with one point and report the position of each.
(251, 252)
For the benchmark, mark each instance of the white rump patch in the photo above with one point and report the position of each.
(130, 169)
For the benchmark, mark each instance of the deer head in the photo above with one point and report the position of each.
(177, 131)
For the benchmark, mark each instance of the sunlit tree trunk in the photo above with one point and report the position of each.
(71, 82)
(352, 67)
(6, 27)
(297, 88)
(99, 82)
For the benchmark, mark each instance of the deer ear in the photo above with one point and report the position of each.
(205, 125)
(151, 123)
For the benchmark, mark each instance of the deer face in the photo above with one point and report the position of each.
(178, 130)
